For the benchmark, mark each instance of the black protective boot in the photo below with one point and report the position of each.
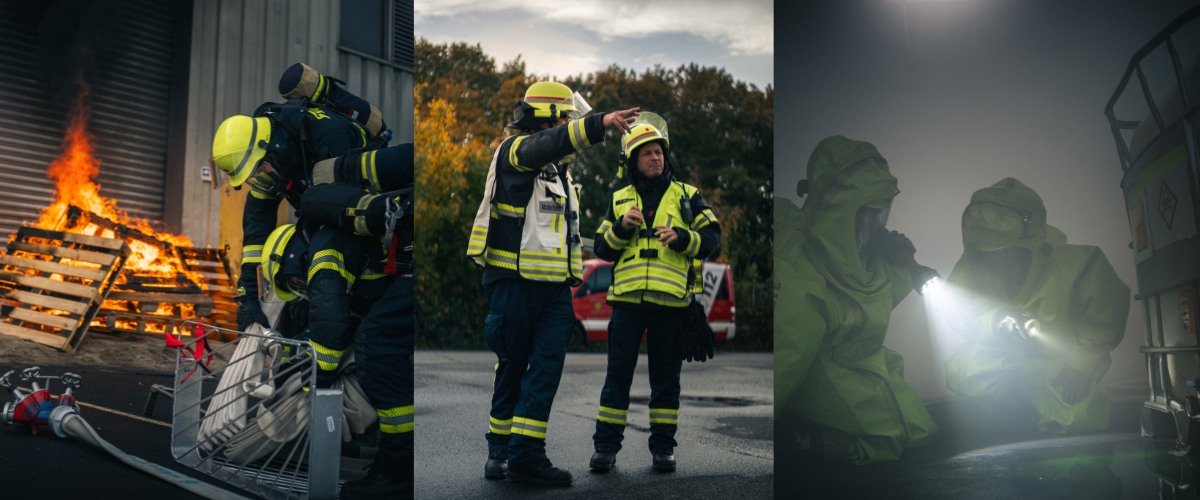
(497, 464)
(604, 459)
(664, 461)
(539, 471)
(387, 479)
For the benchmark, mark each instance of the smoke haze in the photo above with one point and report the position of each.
(957, 95)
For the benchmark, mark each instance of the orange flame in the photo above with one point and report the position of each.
(73, 173)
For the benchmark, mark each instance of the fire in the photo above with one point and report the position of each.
(73, 173)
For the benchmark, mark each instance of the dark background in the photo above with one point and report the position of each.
(958, 94)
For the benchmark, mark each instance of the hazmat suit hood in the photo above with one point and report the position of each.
(844, 176)
(832, 370)
(1006, 238)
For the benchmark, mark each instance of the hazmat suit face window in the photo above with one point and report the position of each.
(1000, 273)
(870, 226)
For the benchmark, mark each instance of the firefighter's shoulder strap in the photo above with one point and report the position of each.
(291, 116)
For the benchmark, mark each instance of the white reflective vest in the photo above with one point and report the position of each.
(550, 246)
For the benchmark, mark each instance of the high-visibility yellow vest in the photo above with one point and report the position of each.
(648, 269)
(550, 246)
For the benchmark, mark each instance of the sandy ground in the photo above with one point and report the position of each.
(100, 349)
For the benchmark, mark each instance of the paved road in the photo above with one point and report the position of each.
(726, 447)
(32, 466)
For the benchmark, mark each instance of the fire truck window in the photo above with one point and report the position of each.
(723, 291)
(586, 288)
(603, 279)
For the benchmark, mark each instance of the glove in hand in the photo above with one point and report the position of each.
(249, 312)
(696, 338)
(898, 250)
(1008, 323)
(1076, 384)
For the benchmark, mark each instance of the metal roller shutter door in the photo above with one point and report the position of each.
(129, 93)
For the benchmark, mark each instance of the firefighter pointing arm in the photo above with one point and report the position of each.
(525, 236)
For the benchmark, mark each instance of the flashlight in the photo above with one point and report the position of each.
(925, 279)
(1021, 325)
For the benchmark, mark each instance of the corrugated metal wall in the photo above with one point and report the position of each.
(31, 122)
(130, 80)
(239, 50)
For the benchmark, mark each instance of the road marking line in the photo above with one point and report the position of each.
(121, 413)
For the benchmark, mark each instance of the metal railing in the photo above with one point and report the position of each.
(1164, 271)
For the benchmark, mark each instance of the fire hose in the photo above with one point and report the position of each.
(64, 419)
(242, 378)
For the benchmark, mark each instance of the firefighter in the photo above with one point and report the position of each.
(1040, 317)
(361, 267)
(839, 273)
(526, 238)
(275, 150)
(654, 229)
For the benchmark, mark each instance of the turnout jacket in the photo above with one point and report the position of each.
(648, 273)
(527, 225)
(301, 135)
(346, 272)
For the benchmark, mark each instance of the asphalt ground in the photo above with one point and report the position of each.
(33, 466)
(971, 460)
(726, 430)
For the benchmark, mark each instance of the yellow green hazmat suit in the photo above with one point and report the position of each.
(1071, 290)
(832, 372)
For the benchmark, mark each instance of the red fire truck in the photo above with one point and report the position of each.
(592, 314)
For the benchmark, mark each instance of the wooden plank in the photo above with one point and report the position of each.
(55, 286)
(71, 306)
(32, 335)
(64, 322)
(119, 315)
(170, 298)
(203, 263)
(95, 241)
(76, 337)
(103, 259)
(50, 267)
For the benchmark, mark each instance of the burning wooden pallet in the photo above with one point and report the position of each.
(53, 284)
(150, 304)
(212, 264)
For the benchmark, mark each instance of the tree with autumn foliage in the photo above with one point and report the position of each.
(721, 141)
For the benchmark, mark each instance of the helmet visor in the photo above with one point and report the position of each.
(218, 176)
(653, 120)
(581, 107)
(237, 165)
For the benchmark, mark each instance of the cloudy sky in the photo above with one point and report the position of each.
(571, 37)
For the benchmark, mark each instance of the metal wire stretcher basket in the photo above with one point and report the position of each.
(257, 423)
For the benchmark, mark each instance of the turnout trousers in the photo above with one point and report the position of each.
(383, 346)
(528, 328)
(662, 344)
